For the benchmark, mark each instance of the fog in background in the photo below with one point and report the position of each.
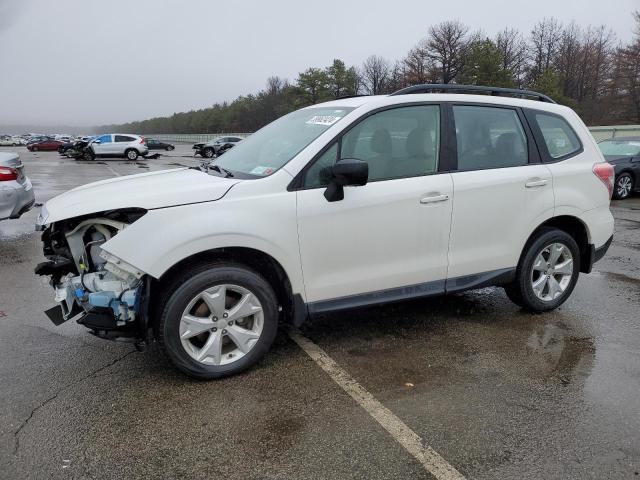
(84, 63)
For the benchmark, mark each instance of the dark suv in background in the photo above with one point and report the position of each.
(214, 147)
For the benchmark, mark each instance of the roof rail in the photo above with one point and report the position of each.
(455, 88)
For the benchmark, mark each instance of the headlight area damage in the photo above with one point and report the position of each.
(109, 294)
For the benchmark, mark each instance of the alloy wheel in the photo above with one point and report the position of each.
(552, 272)
(623, 186)
(221, 325)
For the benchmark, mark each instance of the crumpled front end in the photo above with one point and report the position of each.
(106, 294)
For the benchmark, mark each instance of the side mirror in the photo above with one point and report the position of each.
(346, 172)
(97, 141)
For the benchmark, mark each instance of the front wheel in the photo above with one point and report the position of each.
(218, 320)
(208, 152)
(547, 273)
(170, 147)
(623, 187)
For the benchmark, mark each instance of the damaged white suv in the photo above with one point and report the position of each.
(359, 201)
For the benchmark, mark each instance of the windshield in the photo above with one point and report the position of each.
(626, 148)
(273, 146)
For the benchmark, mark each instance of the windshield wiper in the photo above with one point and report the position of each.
(221, 170)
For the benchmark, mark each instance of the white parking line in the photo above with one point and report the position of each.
(427, 456)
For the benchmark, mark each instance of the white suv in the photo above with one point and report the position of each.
(354, 202)
(116, 145)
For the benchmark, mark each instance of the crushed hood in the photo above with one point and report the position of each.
(165, 188)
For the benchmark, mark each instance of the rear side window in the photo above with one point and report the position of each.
(124, 138)
(489, 137)
(558, 135)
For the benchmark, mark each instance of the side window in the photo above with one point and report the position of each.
(558, 135)
(489, 137)
(124, 139)
(396, 143)
(104, 138)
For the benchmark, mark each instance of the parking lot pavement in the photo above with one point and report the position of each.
(496, 392)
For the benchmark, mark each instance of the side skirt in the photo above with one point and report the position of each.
(421, 290)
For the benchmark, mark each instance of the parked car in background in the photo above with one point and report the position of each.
(624, 155)
(124, 145)
(351, 203)
(155, 144)
(9, 141)
(39, 138)
(16, 191)
(215, 146)
(46, 145)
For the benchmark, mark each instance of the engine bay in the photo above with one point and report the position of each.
(87, 280)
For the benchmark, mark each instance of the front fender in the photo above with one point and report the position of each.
(164, 237)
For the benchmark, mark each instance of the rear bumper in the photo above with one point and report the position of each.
(594, 254)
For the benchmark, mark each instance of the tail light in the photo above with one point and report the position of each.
(142, 140)
(7, 174)
(605, 172)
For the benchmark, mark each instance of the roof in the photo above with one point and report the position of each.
(376, 101)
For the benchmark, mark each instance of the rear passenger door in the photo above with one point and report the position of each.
(501, 192)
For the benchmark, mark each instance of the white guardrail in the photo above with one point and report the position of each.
(191, 137)
(618, 131)
(599, 133)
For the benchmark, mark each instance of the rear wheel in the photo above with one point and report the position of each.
(208, 152)
(131, 154)
(547, 273)
(623, 187)
(217, 320)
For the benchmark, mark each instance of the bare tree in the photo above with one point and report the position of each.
(513, 49)
(417, 64)
(446, 45)
(397, 77)
(375, 74)
(626, 78)
(544, 43)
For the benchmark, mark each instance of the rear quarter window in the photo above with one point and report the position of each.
(559, 138)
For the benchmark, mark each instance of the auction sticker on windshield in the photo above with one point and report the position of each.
(327, 120)
(262, 171)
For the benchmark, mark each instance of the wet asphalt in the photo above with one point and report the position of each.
(497, 392)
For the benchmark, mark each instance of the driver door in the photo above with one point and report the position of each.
(386, 240)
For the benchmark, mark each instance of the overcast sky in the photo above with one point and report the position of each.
(89, 62)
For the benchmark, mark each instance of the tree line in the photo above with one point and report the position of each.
(587, 69)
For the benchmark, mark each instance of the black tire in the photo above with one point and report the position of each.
(208, 152)
(521, 290)
(620, 193)
(34, 149)
(88, 156)
(187, 286)
(131, 154)
(170, 147)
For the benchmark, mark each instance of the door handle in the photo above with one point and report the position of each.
(434, 199)
(536, 183)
